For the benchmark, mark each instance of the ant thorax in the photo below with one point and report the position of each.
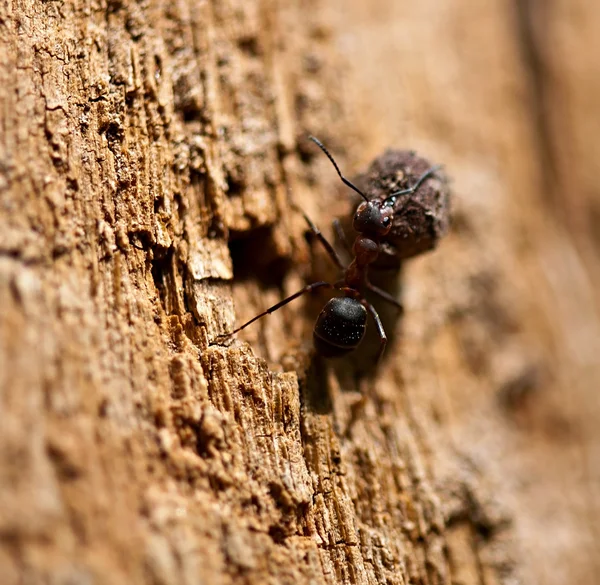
(365, 250)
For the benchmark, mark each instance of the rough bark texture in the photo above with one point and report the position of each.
(137, 138)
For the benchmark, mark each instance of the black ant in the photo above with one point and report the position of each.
(341, 325)
(420, 219)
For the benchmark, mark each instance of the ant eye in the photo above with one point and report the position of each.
(386, 221)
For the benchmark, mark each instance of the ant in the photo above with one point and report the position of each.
(341, 325)
(420, 220)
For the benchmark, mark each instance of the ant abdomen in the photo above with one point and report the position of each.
(340, 327)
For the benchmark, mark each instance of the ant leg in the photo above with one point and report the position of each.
(337, 226)
(308, 288)
(328, 247)
(385, 296)
(379, 325)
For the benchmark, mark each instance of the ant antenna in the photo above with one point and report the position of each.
(344, 180)
(391, 199)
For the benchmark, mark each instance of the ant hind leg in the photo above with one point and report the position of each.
(386, 296)
(308, 288)
(382, 336)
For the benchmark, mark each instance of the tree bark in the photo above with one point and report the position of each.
(152, 159)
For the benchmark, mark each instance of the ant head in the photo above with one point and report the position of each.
(373, 218)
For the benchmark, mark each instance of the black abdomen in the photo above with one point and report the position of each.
(340, 327)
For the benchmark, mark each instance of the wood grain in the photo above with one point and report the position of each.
(151, 158)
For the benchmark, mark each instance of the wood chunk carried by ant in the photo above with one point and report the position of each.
(341, 325)
(419, 197)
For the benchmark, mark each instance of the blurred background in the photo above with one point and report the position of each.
(506, 95)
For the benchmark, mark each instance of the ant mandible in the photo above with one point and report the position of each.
(341, 325)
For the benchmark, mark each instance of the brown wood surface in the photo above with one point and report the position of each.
(138, 139)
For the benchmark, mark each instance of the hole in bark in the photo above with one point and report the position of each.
(250, 46)
(277, 534)
(235, 184)
(161, 273)
(254, 257)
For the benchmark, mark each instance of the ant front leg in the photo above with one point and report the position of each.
(324, 242)
(379, 325)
